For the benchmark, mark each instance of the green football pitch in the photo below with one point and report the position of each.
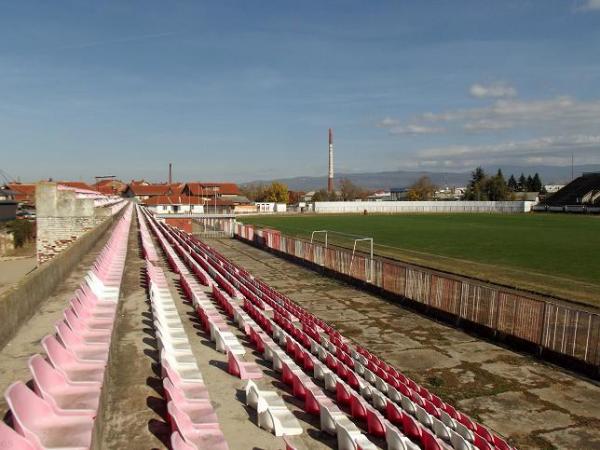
(552, 253)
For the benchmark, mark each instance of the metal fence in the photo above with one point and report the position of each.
(549, 324)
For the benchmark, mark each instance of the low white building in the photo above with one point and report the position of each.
(270, 207)
(175, 204)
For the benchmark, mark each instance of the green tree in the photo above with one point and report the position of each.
(529, 184)
(277, 193)
(482, 187)
(475, 189)
(22, 230)
(255, 192)
(536, 184)
(323, 196)
(512, 184)
(522, 183)
(496, 188)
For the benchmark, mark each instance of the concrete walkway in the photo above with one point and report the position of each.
(13, 269)
(536, 405)
(133, 409)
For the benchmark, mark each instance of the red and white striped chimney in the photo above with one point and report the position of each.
(330, 173)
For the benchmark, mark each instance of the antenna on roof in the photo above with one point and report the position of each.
(7, 177)
(103, 177)
(170, 173)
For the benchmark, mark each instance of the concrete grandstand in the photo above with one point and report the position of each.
(157, 339)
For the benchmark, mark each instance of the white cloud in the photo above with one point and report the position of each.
(559, 114)
(388, 122)
(493, 90)
(415, 129)
(589, 5)
(486, 124)
(395, 127)
(552, 150)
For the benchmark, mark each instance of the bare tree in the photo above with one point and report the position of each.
(422, 189)
(350, 191)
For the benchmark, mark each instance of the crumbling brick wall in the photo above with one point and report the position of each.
(62, 218)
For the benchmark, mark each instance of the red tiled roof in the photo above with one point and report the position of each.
(207, 188)
(111, 187)
(151, 189)
(184, 200)
(177, 188)
(25, 192)
(76, 184)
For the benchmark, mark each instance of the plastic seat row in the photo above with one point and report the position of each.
(278, 420)
(292, 374)
(191, 415)
(458, 423)
(60, 410)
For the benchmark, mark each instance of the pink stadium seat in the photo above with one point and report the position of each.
(190, 390)
(85, 351)
(11, 440)
(35, 419)
(289, 445)
(79, 326)
(91, 312)
(89, 300)
(66, 363)
(241, 369)
(203, 436)
(197, 412)
(64, 396)
(89, 322)
(178, 443)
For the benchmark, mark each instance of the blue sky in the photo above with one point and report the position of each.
(246, 90)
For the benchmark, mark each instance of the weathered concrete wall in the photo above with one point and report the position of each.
(560, 331)
(62, 218)
(396, 207)
(21, 302)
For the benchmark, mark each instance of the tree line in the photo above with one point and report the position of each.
(481, 187)
(275, 192)
(496, 188)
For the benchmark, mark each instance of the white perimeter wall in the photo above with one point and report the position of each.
(423, 207)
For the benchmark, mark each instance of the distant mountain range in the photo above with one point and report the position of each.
(403, 178)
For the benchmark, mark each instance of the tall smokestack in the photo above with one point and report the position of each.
(330, 174)
(170, 173)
